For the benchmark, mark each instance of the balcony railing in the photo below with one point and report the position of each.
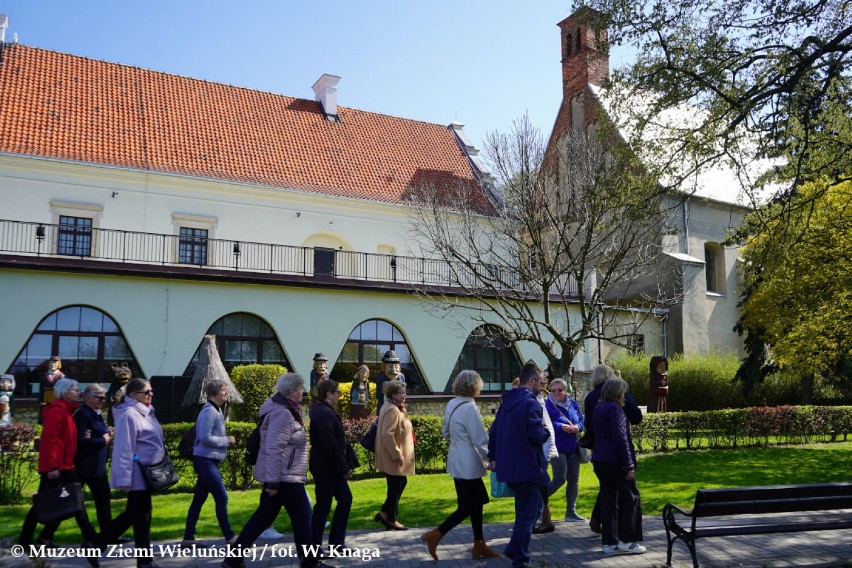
(132, 247)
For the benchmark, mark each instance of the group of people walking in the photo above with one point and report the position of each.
(73, 448)
(75, 440)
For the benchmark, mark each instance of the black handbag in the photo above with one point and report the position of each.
(58, 503)
(369, 439)
(159, 476)
(351, 457)
(587, 441)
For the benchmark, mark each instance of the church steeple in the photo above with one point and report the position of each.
(585, 59)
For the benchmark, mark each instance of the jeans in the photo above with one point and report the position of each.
(209, 483)
(527, 503)
(30, 522)
(566, 467)
(331, 485)
(294, 498)
(396, 485)
(621, 506)
(471, 497)
(137, 514)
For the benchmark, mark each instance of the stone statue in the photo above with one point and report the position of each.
(360, 393)
(318, 373)
(7, 398)
(391, 370)
(658, 389)
(115, 395)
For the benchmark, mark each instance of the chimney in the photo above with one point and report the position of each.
(585, 49)
(4, 24)
(325, 93)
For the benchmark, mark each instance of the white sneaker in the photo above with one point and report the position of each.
(574, 517)
(630, 547)
(271, 534)
(609, 548)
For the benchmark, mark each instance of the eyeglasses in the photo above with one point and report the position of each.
(556, 390)
(99, 397)
(144, 393)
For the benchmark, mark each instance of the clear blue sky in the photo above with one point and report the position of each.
(481, 62)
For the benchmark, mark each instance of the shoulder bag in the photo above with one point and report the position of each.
(585, 454)
(499, 488)
(158, 476)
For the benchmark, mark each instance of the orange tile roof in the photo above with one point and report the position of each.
(63, 106)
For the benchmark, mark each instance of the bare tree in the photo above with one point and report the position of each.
(566, 254)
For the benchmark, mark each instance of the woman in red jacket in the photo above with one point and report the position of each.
(57, 449)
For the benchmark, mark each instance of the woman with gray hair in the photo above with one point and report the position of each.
(465, 463)
(282, 467)
(56, 454)
(93, 438)
(615, 465)
(211, 445)
(601, 374)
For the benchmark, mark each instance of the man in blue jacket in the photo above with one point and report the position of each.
(516, 453)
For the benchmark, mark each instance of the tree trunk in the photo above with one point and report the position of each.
(808, 389)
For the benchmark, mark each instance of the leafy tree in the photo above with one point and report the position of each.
(564, 255)
(770, 80)
(798, 278)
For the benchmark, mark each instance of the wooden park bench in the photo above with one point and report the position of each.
(746, 511)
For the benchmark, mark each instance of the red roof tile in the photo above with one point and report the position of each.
(72, 108)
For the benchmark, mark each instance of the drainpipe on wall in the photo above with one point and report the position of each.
(686, 224)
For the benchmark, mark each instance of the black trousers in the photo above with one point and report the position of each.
(30, 522)
(621, 506)
(396, 485)
(471, 497)
(330, 485)
(137, 514)
(99, 486)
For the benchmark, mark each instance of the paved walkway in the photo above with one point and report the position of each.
(572, 545)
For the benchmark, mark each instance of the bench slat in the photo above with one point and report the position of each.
(771, 528)
(771, 506)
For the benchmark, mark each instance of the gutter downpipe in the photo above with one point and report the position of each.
(686, 225)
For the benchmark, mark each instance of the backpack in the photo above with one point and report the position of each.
(187, 443)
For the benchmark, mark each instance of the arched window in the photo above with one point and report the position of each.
(489, 353)
(366, 345)
(243, 339)
(86, 339)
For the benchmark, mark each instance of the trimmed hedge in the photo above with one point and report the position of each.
(739, 427)
(256, 383)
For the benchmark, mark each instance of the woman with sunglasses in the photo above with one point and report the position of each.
(138, 438)
(93, 440)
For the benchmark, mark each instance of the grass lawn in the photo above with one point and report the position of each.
(428, 499)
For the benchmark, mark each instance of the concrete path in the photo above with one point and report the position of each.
(571, 545)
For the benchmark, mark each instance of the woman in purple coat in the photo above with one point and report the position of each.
(138, 439)
(621, 506)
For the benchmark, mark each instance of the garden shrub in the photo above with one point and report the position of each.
(17, 461)
(705, 382)
(256, 383)
(736, 427)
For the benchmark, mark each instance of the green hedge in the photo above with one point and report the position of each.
(705, 382)
(753, 426)
(256, 383)
(17, 461)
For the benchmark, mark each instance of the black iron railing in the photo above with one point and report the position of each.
(133, 247)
